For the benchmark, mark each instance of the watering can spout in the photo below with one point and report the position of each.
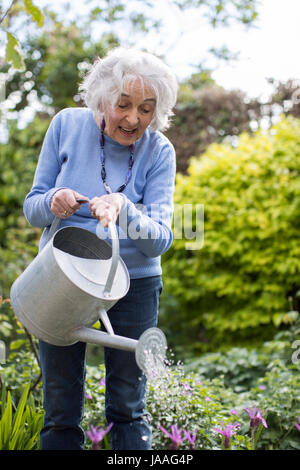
(90, 335)
(151, 344)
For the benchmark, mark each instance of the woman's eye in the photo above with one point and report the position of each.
(122, 106)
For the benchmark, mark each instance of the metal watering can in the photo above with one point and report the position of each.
(70, 285)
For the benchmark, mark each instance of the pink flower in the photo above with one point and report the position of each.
(207, 399)
(174, 435)
(256, 419)
(88, 396)
(298, 425)
(187, 386)
(96, 435)
(102, 382)
(233, 412)
(227, 432)
(191, 438)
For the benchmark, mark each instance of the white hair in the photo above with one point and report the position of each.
(106, 78)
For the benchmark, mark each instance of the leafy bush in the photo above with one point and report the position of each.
(231, 291)
(198, 405)
(19, 430)
(18, 159)
(196, 397)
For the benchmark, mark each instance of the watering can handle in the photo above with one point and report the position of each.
(53, 227)
(114, 256)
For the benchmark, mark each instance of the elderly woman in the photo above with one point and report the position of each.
(112, 156)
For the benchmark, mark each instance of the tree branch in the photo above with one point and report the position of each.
(6, 13)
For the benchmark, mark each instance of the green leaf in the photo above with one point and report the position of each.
(35, 12)
(16, 344)
(12, 55)
(5, 423)
(278, 318)
(17, 422)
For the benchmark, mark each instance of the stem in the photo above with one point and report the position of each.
(35, 352)
(6, 13)
(35, 383)
(259, 430)
(252, 439)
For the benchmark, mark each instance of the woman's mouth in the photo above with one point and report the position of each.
(127, 132)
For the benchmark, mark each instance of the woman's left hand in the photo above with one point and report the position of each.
(106, 208)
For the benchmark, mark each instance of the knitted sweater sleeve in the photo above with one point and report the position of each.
(149, 225)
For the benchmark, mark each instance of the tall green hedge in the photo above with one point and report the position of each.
(230, 291)
(18, 159)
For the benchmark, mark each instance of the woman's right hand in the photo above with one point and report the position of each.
(64, 202)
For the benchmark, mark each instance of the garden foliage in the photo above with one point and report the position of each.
(239, 290)
(196, 397)
(20, 430)
(18, 159)
(233, 289)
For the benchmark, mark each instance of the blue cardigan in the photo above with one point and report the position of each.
(70, 158)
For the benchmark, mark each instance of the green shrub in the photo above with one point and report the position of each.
(230, 291)
(19, 429)
(195, 397)
(18, 159)
(197, 404)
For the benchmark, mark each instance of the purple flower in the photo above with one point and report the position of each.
(102, 382)
(256, 419)
(262, 387)
(233, 412)
(187, 386)
(174, 435)
(227, 431)
(97, 434)
(191, 438)
(298, 425)
(88, 396)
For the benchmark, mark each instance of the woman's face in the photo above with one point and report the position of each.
(131, 115)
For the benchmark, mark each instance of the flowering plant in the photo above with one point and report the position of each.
(227, 431)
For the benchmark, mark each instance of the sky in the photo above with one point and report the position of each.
(270, 50)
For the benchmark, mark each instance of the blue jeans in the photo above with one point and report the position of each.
(63, 369)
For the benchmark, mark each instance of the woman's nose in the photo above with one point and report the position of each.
(132, 117)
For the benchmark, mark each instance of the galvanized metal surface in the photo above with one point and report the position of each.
(73, 282)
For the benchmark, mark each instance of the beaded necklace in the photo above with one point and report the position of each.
(103, 171)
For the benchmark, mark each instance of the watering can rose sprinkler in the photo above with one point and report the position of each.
(70, 285)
